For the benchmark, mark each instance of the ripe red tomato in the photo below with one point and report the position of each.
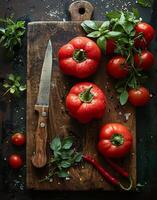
(18, 139)
(139, 97)
(148, 33)
(115, 140)
(117, 67)
(110, 46)
(15, 161)
(145, 61)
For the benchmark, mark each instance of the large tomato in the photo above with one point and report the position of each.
(147, 34)
(117, 67)
(85, 102)
(115, 140)
(145, 60)
(139, 97)
(80, 57)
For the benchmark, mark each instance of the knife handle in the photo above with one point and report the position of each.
(39, 158)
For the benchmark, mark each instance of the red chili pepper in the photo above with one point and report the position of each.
(117, 168)
(102, 170)
(107, 175)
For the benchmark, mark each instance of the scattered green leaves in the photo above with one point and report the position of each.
(11, 33)
(13, 85)
(145, 3)
(63, 157)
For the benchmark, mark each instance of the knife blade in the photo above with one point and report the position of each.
(39, 157)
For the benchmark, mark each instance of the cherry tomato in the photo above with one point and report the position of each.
(15, 161)
(110, 46)
(145, 61)
(148, 33)
(115, 140)
(139, 97)
(117, 67)
(18, 139)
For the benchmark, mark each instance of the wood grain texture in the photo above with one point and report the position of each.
(84, 177)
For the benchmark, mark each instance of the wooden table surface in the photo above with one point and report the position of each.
(12, 112)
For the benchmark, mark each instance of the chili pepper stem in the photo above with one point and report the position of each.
(126, 188)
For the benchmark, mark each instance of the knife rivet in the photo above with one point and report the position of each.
(43, 114)
(42, 124)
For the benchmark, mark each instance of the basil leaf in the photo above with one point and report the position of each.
(90, 24)
(12, 90)
(62, 174)
(55, 144)
(135, 11)
(67, 143)
(65, 164)
(94, 34)
(105, 25)
(78, 157)
(113, 14)
(6, 85)
(11, 77)
(123, 97)
(113, 34)
(86, 28)
(101, 41)
(145, 3)
(128, 27)
(2, 30)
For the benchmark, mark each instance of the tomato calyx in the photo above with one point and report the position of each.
(86, 96)
(117, 139)
(79, 55)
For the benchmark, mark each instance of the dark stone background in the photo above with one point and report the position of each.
(12, 111)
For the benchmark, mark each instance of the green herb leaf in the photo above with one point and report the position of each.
(78, 157)
(56, 144)
(113, 14)
(90, 24)
(62, 174)
(94, 34)
(145, 3)
(113, 34)
(22, 88)
(67, 143)
(6, 85)
(11, 77)
(12, 90)
(101, 41)
(135, 11)
(105, 25)
(65, 164)
(123, 97)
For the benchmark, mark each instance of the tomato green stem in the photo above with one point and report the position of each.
(79, 55)
(117, 139)
(86, 96)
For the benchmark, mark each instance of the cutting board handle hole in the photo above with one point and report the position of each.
(82, 11)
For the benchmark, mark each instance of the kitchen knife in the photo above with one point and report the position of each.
(39, 157)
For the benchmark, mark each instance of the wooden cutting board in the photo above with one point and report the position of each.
(84, 177)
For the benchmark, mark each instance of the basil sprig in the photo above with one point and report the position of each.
(63, 157)
(100, 31)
